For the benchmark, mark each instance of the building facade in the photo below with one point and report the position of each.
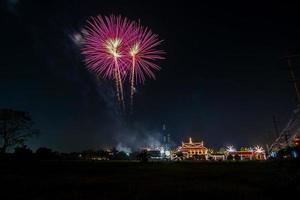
(248, 155)
(193, 150)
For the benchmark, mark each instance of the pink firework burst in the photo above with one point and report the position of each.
(105, 43)
(142, 53)
(104, 48)
(115, 47)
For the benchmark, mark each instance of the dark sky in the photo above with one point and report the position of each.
(223, 79)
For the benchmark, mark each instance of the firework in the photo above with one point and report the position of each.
(115, 47)
(106, 39)
(142, 53)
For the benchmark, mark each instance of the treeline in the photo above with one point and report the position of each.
(16, 127)
(44, 153)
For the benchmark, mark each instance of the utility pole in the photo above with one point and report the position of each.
(286, 138)
(285, 135)
(293, 78)
(296, 89)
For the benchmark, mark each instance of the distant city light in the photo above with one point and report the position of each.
(168, 153)
(259, 149)
(230, 149)
(251, 149)
(294, 153)
(162, 151)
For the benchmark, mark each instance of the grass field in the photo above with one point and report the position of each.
(134, 180)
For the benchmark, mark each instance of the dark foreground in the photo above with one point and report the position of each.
(133, 180)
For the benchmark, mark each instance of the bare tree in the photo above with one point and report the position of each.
(15, 128)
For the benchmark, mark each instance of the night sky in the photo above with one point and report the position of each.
(223, 78)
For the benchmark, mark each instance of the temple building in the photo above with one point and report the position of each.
(193, 150)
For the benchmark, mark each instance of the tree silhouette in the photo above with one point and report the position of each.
(23, 152)
(237, 157)
(44, 153)
(144, 156)
(15, 128)
(121, 156)
(229, 157)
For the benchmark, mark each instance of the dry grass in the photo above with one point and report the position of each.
(134, 180)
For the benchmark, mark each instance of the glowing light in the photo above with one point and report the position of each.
(258, 149)
(112, 46)
(294, 153)
(134, 49)
(230, 149)
(168, 153)
(162, 151)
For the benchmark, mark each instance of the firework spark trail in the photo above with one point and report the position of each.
(132, 82)
(119, 85)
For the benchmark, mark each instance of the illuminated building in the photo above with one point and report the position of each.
(193, 150)
(296, 140)
(217, 156)
(258, 153)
